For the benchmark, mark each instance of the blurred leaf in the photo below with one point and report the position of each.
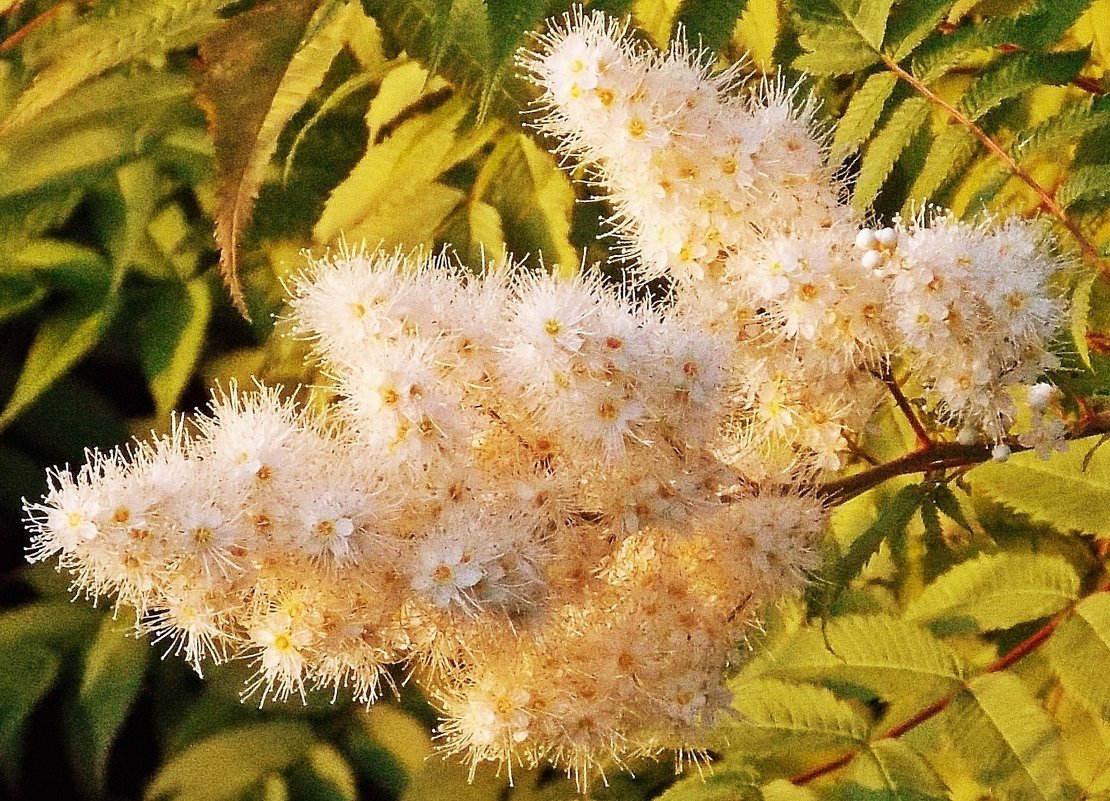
(225, 765)
(1061, 491)
(723, 784)
(773, 714)
(18, 295)
(171, 337)
(137, 28)
(324, 775)
(27, 672)
(533, 198)
(1080, 316)
(758, 31)
(1080, 651)
(949, 154)
(1007, 740)
(256, 76)
(114, 667)
(996, 591)
(709, 23)
(59, 626)
(61, 341)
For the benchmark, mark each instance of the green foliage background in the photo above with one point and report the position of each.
(132, 130)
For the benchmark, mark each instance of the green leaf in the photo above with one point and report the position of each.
(1047, 22)
(113, 671)
(886, 148)
(709, 23)
(870, 20)
(890, 770)
(773, 714)
(892, 521)
(392, 195)
(453, 38)
(834, 50)
(135, 29)
(897, 660)
(27, 672)
(726, 784)
(861, 115)
(910, 23)
(949, 154)
(1086, 183)
(18, 295)
(1080, 651)
(1080, 317)
(533, 198)
(324, 775)
(60, 342)
(1060, 491)
(59, 626)
(1007, 740)
(171, 337)
(949, 504)
(256, 77)
(225, 765)
(1015, 73)
(996, 591)
(969, 44)
(1064, 128)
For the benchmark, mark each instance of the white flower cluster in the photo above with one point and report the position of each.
(560, 507)
(732, 198)
(513, 492)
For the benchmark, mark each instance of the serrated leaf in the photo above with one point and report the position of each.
(1080, 316)
(61, 341)
(1043, 26)
(996, 591)
(886, 148)
(897, 660)
(453, 38)
(170, 339)
(1086, 183)
(1080, 650)
(949, 504)
(910, 23)
(239, 757)
(949, 154)
(709, 23)
(255, 78)
(1007, 740)
(392, 195)
(1015, 73)
(971, 43)
(892, 520)
(137, 28)
(1060, 491)
(112, 675)
(861, 115)
(890, 770)
(27, 672)
(834, 50)
(1064, 128)
(870, 20)
(772, 713)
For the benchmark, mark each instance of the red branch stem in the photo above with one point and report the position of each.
(1018, 652)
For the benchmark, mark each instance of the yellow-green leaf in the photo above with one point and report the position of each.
(225, 765)
(171, 337)
(1080, 651)
(1061, 491)
(1008, 741)
(772, 714)
(996, 591)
